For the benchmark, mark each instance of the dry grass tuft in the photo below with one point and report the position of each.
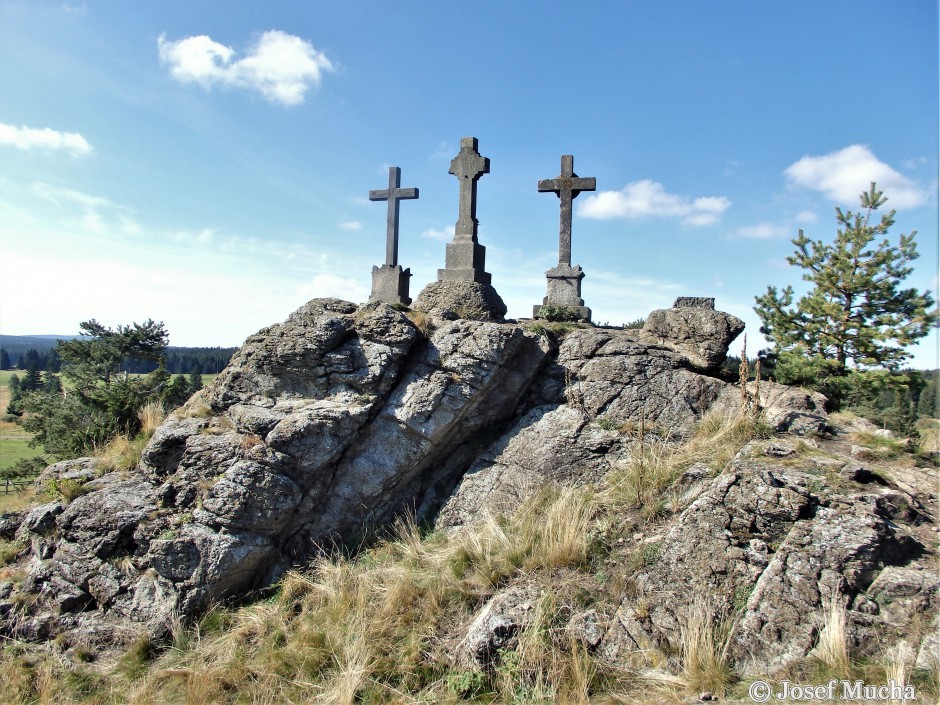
(832, 649)
(421, 321)
(704, 642)
(899, 660)
(151, 416)
(657, 461)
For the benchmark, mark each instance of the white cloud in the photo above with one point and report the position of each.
(444, 150)
(344, 288)
(280, 66)
(844, 174)
(761, 231)
(806, 216)
(28, 138)
(441, 234)
(351, 225)
(648, 198)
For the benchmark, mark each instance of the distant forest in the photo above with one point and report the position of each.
(39, 352)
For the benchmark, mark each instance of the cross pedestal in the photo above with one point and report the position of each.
(464, 261)
(390, 284)
(564, 289)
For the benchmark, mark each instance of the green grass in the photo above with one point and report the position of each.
(14, 445)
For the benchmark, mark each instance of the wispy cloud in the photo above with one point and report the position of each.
(279, 66)
(444, 150)
(44, 139)
(761, 231)
(649, 199)
(351, 225)
(441, 234)
(844, 174)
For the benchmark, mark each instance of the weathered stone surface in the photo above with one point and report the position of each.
(791, 409)
(701, 334)
(760, 544)
(470, 300)
(496, 626)
(77, 470)
(335, 421)
(598, 373)
(40, 520)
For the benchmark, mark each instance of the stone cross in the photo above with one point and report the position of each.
(567, 186)
(468, 166)
(393, 194)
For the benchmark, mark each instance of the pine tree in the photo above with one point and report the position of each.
(101, 402)
(856, 316)
(195, 379)
(5, 363)
(51, 384)
(32, 380)
(176, 392)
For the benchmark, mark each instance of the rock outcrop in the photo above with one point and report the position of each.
(330, 425)
(321, 430)
(767, 548)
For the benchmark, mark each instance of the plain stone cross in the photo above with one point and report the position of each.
(393, 194)
(468, 166)
(566, 186)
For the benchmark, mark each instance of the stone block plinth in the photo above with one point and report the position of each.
(464, 260)
(564, 289)
(390, 284)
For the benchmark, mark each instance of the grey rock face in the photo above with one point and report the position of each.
(766, 550)
(701, 334)
(333, 422)
(598, 374)
(329, 424)
(461, 299)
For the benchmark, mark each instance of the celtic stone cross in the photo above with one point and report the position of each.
(468, 166)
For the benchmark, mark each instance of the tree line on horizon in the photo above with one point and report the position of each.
(177, 360)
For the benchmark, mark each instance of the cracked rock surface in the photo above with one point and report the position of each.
(329, 426)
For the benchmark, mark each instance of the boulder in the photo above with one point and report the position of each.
(497, 625)
(766, 549)
(452, 300)
(701, 334)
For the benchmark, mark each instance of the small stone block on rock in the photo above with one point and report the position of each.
(695, 302)
(390, 284)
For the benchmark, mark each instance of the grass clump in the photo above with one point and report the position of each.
(555, 313)
(704, 642)
(421, 321)
(656, 461)
(876, 446)
(832, 651)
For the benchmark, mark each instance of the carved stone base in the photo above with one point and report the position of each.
(464, 261)
(564, 289)
(390, 284)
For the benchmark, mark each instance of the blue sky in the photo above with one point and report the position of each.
(208, 164)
